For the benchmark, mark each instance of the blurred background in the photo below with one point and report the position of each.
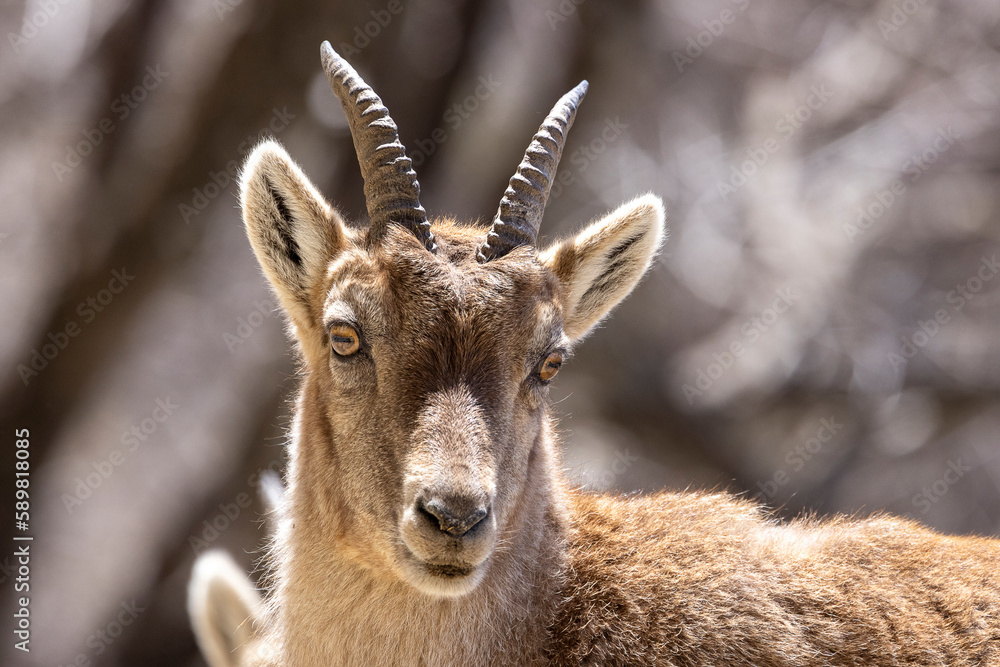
(820, 332)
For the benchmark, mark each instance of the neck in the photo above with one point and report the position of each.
(334, 610)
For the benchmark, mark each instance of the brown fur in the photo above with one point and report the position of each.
(691, 579)
(443, 398)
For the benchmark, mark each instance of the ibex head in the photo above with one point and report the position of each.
(428, 347)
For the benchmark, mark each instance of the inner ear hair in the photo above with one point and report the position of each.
(293, 230)
(600, 266)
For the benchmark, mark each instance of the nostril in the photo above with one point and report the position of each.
(455, 519)
(475, 518)
(427, 514)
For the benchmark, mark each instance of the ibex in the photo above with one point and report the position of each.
(427, 520)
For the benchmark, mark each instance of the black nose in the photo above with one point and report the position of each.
(455, 516)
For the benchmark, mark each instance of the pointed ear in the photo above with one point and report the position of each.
(223, 608)
(601, 265)
(292, 229)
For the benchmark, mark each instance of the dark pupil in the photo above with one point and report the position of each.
(552, 365)
(343, 339)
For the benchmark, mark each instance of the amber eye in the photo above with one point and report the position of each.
(344, 340)
(550, 366)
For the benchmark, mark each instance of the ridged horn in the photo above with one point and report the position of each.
(392, 193)
(523, 203)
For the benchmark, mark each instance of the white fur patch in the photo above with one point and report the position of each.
(223, 607)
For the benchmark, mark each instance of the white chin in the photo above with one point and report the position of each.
(443, 583)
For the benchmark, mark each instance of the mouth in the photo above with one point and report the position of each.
(449, 570)
(438, 563)
(442, 579)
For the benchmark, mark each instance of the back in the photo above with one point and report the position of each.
(700, 579)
